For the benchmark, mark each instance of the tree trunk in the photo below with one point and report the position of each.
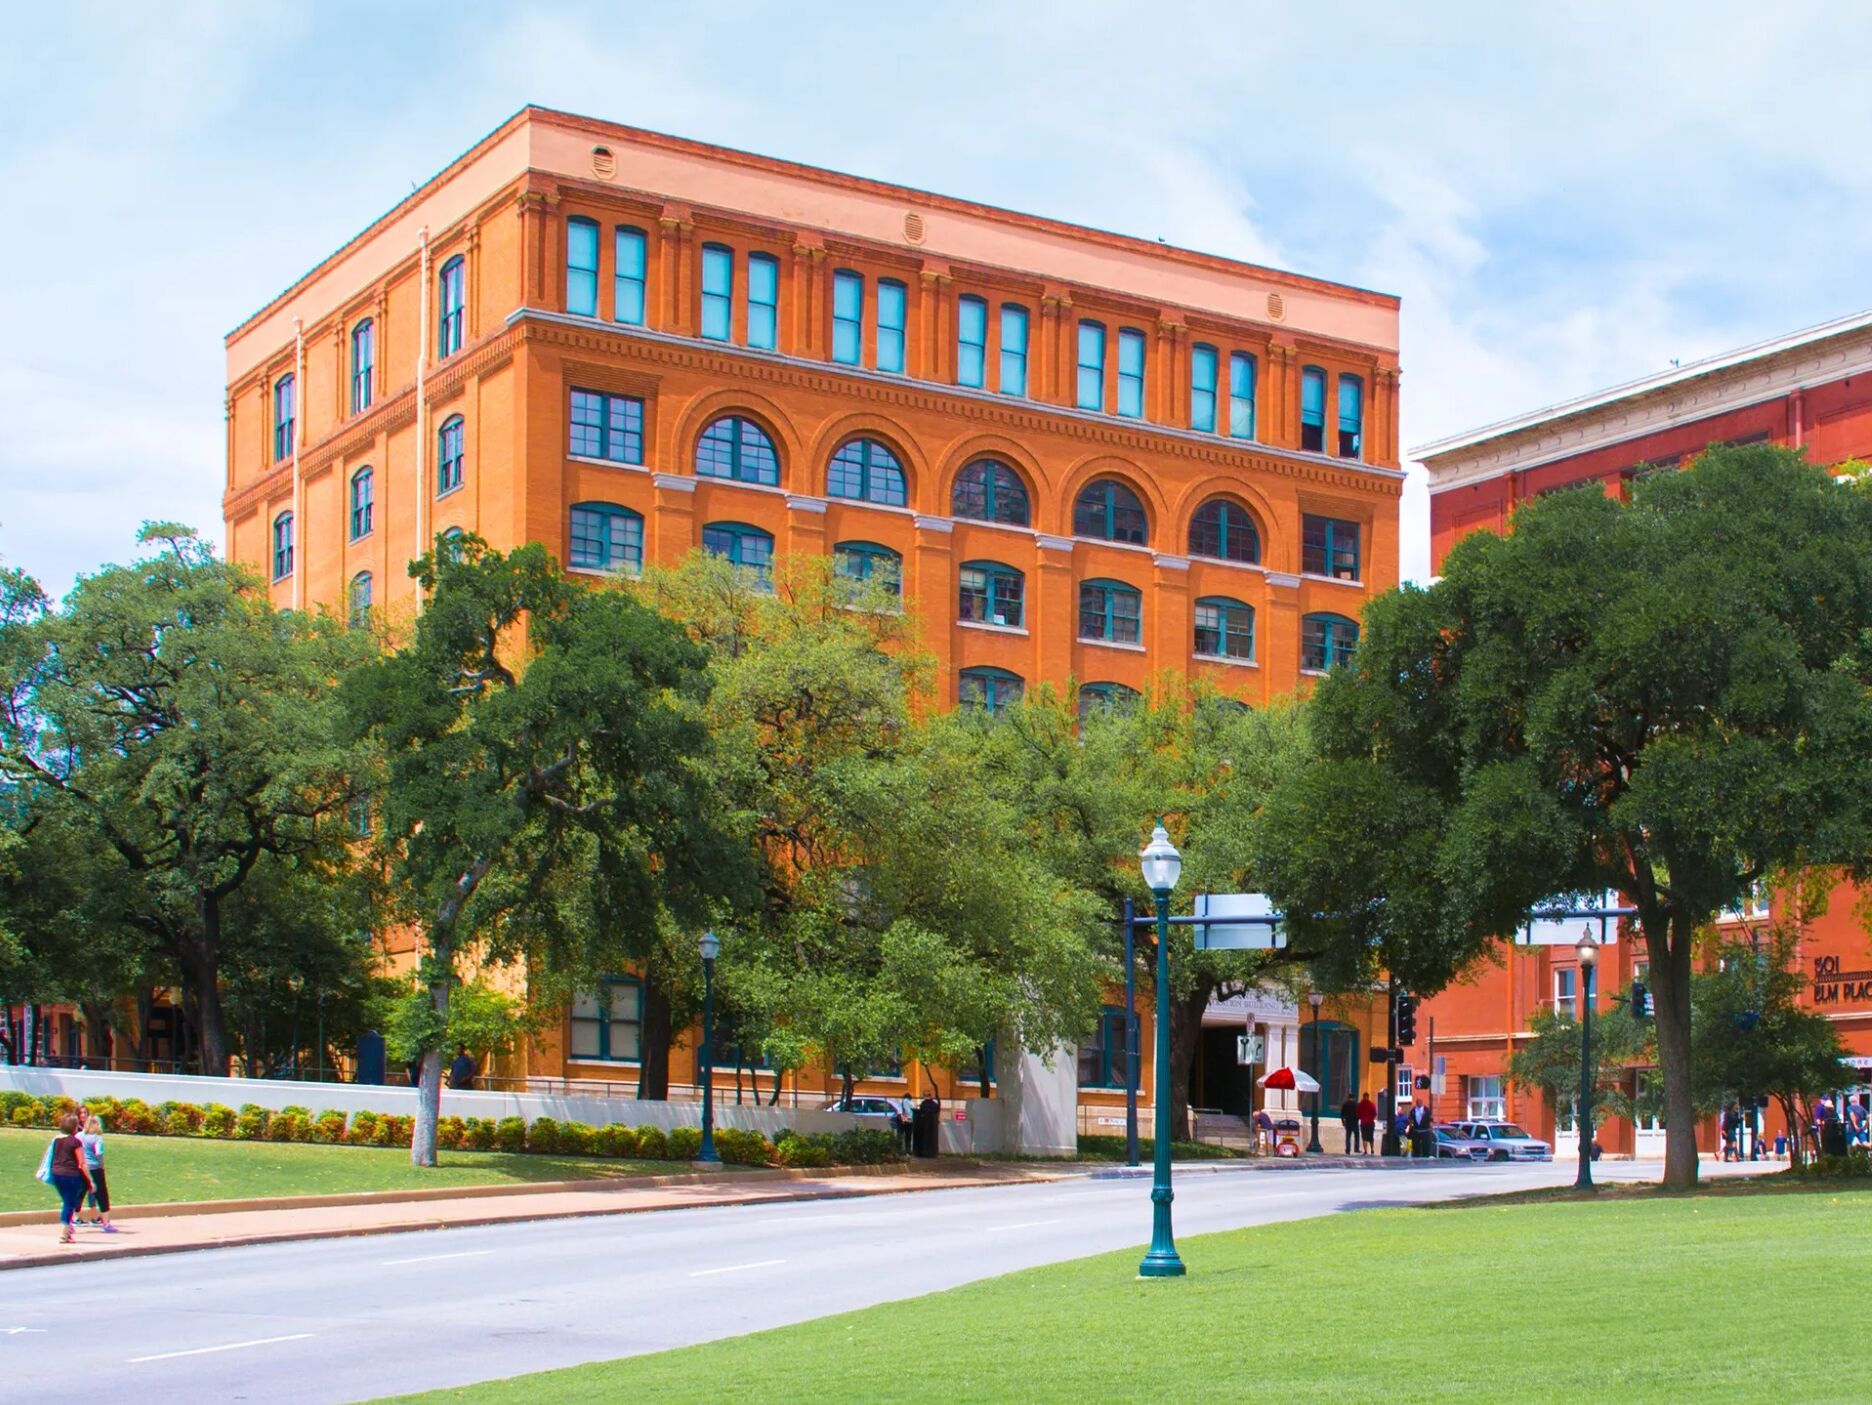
(1669, 949)
(429, 1094)
(654, 1043)
(203, 964)
(1791, 1115)
(981, 1063)
(97, 1033)
(1186, 1015)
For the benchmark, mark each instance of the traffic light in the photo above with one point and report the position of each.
(1640, 1000)
(1406, 1020)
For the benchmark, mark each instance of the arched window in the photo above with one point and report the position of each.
(450, 545)
(581, 296)
(1313, 409)
(1224, 531)
(1111, 512)
(285, 416)
(363, 501)
(358, 600)
(737, 448)
(989, 491)
(452, 290)
(748, 547)
(1105, 697)
(627, 278)
(282, 546)
(363, 365)
(1224, 629)
(867, 563)
(449, 455)
(990, 689)
(605, 537)
(989, 593)
(1326, 640)
(1111, 612)
(866, 470)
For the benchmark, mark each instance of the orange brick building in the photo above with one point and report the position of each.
(1082, 456)
(1810, 390)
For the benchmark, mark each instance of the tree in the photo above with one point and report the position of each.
(1549, 1062)
(188, 728)
(533, 732)
(1666, 697)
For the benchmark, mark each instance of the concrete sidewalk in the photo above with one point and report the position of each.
(160, 1229)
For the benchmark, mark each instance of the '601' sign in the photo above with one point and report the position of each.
(1832, 986)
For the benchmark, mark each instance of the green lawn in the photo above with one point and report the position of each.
(1658, 1298)
(153, 1170)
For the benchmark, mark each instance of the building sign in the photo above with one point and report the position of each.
(1832, 986)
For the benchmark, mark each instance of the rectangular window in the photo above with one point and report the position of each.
(971, 342)
(627, 288)
(452, 321)
(1486, 1103)
(607, 427)
(1203, 388)
(607, 1024)
(582, 267)
(1404, 1088)
(717, 291)
(1313, 410)
(605, 538)
(1013, 349)
(1091, 366)
(1329, 547)
(1351, 417)
(285, 417)
(763, 301)
(1102, 1057)
(847, 317)
(1563, 993)
(1241, 396)
(363, 365)
(1131, 373)
(892, 301)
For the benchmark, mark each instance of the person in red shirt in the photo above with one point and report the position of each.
(1368, 1122)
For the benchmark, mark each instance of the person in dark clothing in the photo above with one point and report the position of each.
(1348, 1119)
(464, 1070)
(67, 1174)
(414, 1069)
(1423, 1140)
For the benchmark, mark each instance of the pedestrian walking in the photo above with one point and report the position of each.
(64, 1170)
(1731, 1133)
(92, 1139)
(1856, 1120)
(464, 1070)
(1348, 1120)
(1368, 1123)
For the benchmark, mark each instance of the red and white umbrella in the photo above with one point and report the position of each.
(1292, 1079)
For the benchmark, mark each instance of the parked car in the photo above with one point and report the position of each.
(1505, 1141)
(1452, 1145)
(879, 1114)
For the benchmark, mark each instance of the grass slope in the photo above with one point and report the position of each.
(1647, 1299)
(164, 1170)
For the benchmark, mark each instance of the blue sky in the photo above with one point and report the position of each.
(1565, 197)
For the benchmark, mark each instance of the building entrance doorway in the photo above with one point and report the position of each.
(1220, 1082)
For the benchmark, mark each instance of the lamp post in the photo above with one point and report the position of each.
(1131, 1035)
(1162, 866)
(1315, 999)
(710, 946)
(1588, 950)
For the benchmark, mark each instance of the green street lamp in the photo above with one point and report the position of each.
(1162, 866)
(1588, 950)
(1315, 999)
(710, 945)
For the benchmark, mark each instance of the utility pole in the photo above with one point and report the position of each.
(1430, 1096)
(1131, 1034)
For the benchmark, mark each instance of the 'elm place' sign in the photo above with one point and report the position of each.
(1832, 986)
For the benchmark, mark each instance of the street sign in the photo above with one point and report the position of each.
(1250, 1048)
(1257, 926)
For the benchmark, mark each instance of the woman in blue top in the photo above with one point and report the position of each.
(92, 1140)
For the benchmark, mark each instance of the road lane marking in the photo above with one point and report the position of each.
(735, 1268)
(205, 1350)
(431, 1258)
(1024, 1224)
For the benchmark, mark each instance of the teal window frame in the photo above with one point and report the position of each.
(991, 593)
(1351, 417)
(604, 1016)
(1221, 530)
(972, 341)
(1329, 546)
(991, 690)
(602, 426)
(982, 1062)
(717, 322)
(737, 448)
(1203, 370)
(604, 536)
(745, 546)
(1326, 641)
(363, 365)
(581, 291)
(893, 304)
(1131, 357)
(450, 451)
(847, 317)
(1110, 612)
(1102, 1063)
(283, 545)
(869, 563)
(865, 470)
(630, 262)
(1313, 409)
(1090, 387)
(987, 490)
(1106, 697)
(1108, 510)
(452, 304)
(285, 416)
(1224, 629)
(1243, 379)
(363, 502)
(1014, 326)
(763, 302)
(358, 600)
(450, 546)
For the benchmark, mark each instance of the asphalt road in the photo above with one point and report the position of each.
(353, 1319)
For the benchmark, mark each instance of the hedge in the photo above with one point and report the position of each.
(545, 1135)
